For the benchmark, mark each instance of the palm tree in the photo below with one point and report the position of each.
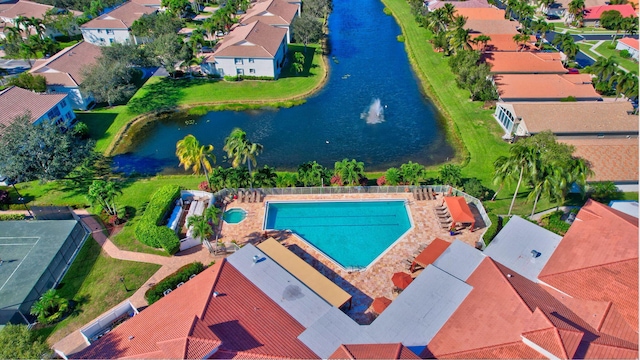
(200, 228)
(37, 25)
(22, 23)
(349, 172)
(483, 40)
(238, 178)
(412, 173)
(521, 40)
(312, 174)
(196, 40)
(449, 12)
(213, 214)
(240, 150)
(604, 68)
(50, 307)
(392, 176)
(265, 177)
(543, 28)
(195, 156)
(460, 40)
(576, 10)
(522, 160)
(29, 49)
(629, 26)
(625, 84)
(548, 182)
(286, 180)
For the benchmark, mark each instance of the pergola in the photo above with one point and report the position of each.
(459, 210)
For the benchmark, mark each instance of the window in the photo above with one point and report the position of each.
(102, 40)
(68, 116)
(238, 61)
(109, 31)
(252, 71)
(99, 31)
(251, 61)
(111, 41)
(53, 113)
(63, 103)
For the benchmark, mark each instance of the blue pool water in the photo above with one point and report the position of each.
(353, 234)
(234, 216)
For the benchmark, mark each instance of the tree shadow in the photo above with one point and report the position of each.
(163, 95)
(309, 54)
(98, 123)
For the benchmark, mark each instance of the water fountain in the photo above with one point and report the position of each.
(375, 113)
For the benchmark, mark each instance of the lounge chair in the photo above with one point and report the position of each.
(241, 196)
(428, 193)
(423, 192)
(433, 193)
(415, 194)
(254, 196)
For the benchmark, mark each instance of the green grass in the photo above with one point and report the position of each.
(584, 30)
(93, 283)
(472, 124)
(104, 124)
(628, 64)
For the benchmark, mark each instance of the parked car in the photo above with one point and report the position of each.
(573, 71)
(553, 17)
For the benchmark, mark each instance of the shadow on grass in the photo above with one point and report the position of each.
(308, 61)
(163, 95)
(98, 123)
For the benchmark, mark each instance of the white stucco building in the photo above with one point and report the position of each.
(15, 102)
(63, 72)
(629, 44)
(256, 49)
(115, 26)
(10, 11)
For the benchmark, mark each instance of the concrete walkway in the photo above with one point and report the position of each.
(593, 50)
(75, 341)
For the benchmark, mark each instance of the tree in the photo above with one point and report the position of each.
(63, 21)
(313, 174)
(412, 173)
(265, 177)
(108, 82)
(450, 174)
(169, 50)
(392, 176)
(200, 228)
(543, 28)
(240, 150)
(603, 190)
(212, 214)
(238, 178)
(286, 180)
(29, 48)
(566, 44)
(103, 193)
(460, 40)
(50, 307)
(41, 151)
(195, 156)
(630, 25)
(306, 29)
(28, 81)
(611, 20)
(18, 342)
(155, 24)
(520, 163)
(521, 40)
(349, 172)
(625, 84)
(317, 8)
(576, 11)
(482, 40)
(176, 7)
(196, 40)
(604, 68)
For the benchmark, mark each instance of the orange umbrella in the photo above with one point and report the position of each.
(401, 280)
(379, 304)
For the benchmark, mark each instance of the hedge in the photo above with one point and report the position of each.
(6, 217)
(149, 230)
(156, 292)
(494, 229)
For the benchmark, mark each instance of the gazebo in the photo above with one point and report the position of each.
(459, 210)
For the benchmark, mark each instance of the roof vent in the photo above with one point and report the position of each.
(509, 275)
(535, 254)
(215, 294)
(131, 337)
(256, 258)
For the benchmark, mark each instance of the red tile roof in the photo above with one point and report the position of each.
(254, 40)
(611, 159)
(594, 13)
(545, 87)
(631, 42)
(15, 101)
(481, 13)
(373, 351)
(65, 68)
(191, 322)
(272, 12)
(504, 42)
(433, 5)
(524, 62)
(598, 259)
(29, 9)
(120, 18)
(490, 27)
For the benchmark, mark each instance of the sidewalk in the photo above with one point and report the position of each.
(75, 341)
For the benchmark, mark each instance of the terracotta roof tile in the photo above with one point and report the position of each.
(611, 159)
(490, 27)
(272, 12)
(28, 9)
(569, 118)
(243, 322)
(587, 3)
(459, 4)
(548, 339)
(594, 13)
(539, 321)
(65, 68)
(524, 62)
(492, 307)
(254, 40)
(15, 101)
(631, 42)
(504, 42)
(480, 13)
(373, 351)
(516, 350)
(602, 351)
(120, 18)
(616, 325)
(545, 87)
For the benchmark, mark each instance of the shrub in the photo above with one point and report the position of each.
(381, 181)
(625, 54)
(496, 225)
(604, 190)
(4, 197)
(156, 292)
(386, 11)
(475, 188)
(8, 217)
(400, 38)
(553, 222)
(81, 130)
(603, 88)
(204, 186)
(148, 231)
(569, 99)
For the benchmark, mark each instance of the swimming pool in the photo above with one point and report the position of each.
(351, 233)
(234, 216)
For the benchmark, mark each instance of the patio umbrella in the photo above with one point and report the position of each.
(379, 304)
(401, 280)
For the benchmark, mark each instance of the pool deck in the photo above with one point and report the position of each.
(365, 285)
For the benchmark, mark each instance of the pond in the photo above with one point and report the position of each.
(343, 120)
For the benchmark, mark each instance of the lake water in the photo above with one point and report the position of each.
(366, 63)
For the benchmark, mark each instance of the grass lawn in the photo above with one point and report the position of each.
(628, 64)
(584, 30)
(474, 125)
(104, 124)
(586, 48)
(93, 283)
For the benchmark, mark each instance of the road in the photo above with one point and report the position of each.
(14, 66)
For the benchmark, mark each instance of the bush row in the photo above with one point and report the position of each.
(6, 217)
(156, 292)
(148, 231)
(494, 229)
